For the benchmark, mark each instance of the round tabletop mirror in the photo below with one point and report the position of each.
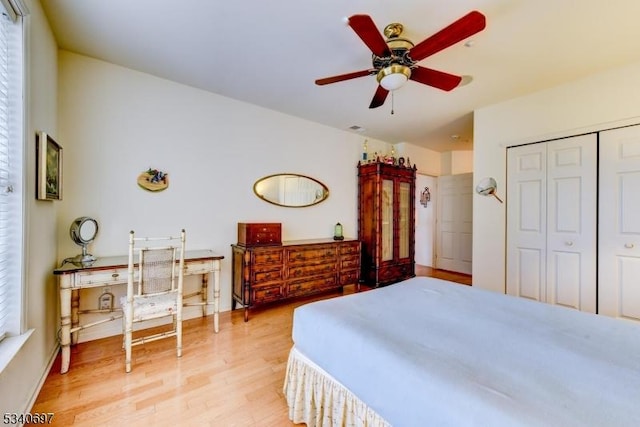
(83, 231)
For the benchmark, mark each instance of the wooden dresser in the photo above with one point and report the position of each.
(266, 274)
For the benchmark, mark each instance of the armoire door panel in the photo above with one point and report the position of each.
(619, 223)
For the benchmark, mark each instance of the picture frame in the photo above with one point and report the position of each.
(48, 168)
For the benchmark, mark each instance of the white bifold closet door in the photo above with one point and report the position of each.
(619, 210)
(551, 221)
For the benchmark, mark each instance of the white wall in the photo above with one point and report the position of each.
(598, 102)
(425, 221)
(115, 123)
(19, 381)
(427, 162)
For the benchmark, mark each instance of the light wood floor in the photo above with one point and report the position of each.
(233, 378)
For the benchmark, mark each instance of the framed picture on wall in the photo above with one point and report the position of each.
(48, 168)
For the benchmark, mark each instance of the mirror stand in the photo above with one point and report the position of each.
(84, 258)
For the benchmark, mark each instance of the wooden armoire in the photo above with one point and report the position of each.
(386, 222)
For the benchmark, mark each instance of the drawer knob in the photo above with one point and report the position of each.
(629, 245)
(115, 275)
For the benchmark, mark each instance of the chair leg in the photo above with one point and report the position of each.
(179, 335)
(128, 335)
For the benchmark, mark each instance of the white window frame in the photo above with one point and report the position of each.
(13, 333)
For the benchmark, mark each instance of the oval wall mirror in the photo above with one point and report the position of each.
(290, 190)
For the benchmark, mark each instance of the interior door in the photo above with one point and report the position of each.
(425, 221)
(454, 223)
(619, 230)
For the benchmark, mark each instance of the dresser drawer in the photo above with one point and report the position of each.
(309, 286)
(267, 275)
(316, 253)
(350, 263)
(307, 270)
(267, 256)
(102, 277)
(261, 294)
(349, 277)
(351, 248)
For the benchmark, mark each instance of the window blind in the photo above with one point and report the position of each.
(10, 174)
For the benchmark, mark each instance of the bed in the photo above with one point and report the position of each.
(427, 352)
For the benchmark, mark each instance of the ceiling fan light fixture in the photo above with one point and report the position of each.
(393, 76)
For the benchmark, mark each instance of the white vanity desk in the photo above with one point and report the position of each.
(107, 271)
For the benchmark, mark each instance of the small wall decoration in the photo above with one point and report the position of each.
(48, 168)
(425, 197)
(153, 180)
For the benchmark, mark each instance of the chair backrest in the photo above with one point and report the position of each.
(156, 270)
(156, 263)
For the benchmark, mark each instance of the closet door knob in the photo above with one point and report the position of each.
(629, 245)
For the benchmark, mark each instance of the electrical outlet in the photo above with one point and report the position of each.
(106, 301)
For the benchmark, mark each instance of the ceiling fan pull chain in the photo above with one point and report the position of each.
(392, 102)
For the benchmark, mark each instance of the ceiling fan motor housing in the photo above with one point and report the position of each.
(400, 51)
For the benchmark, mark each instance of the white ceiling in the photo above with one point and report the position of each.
(269, 53)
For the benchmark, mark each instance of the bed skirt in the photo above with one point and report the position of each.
(317, 399)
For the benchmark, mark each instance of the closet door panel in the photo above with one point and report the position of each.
(619, 212)
(526, 221)
(571, 222)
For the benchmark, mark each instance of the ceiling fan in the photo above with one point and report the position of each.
(395, 60)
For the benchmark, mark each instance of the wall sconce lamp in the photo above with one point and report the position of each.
(487, 187)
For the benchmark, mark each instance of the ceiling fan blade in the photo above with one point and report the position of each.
(342, 77)
(435, 78)
(468, 25)
(379, 97)
(366, 29)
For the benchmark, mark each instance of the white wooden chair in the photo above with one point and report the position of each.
(154, 288)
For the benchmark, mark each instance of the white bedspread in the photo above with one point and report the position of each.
(426, 352)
